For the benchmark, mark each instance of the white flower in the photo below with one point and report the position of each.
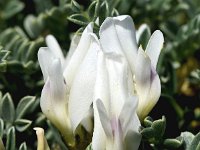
(118, 35)
(116, 121)
(69, 83)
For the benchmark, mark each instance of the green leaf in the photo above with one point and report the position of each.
(23, 146)
(22, 124)
(12, 8)
(11, 139)
(114, 12)
(144, 34)
(91, 10)
(103, 12)
(75, 6)
(7, 108)
(89, 147)
(3, 55)
(24, 105)
(1, 127)
(32, 27)
(1, 144)
(195, 144)
(79, 19)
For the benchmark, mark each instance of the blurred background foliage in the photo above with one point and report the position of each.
(24, 25)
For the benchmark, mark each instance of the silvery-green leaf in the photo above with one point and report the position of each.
(1, 96)
(103, 11)
(23, 146)
(195, 144)
(24, 105)
(7, 108)
(79, 19)
(115, 12)
(22, 124)
(187, 138)
(31, 26)
(11, 139)
(75, 6)
(1, 127)
(91, 10)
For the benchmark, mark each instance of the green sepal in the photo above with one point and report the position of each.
(148, 121)
(173, 143)
(154, 130)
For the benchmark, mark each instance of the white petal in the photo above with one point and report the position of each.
(73, 46)
(117, 71)
(142, 78)
(54, 101)
(99, 137)
(53, 45)
(132, 140)
(101, 92)
(154, 94)
(118, 35)
(154, 47)
(78, 56)
(109, 38)
(82, 89)
(45, 58)
(104, 118)
(130, 124)
(102, 82)
(126, 32)
(128, 117)
(87, 122)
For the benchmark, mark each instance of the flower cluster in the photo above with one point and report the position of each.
(107, 84)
